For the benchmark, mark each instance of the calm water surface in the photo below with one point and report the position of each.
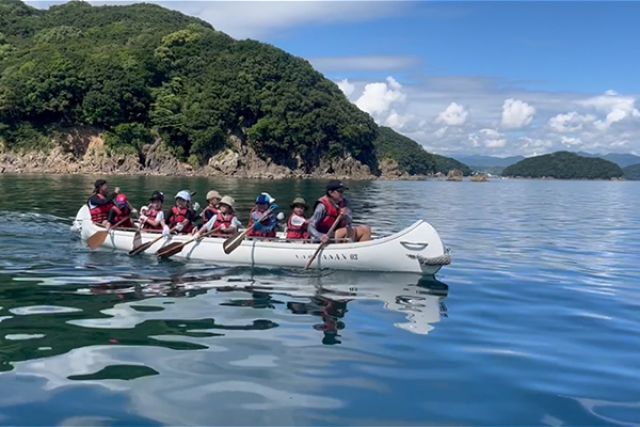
(536, 322)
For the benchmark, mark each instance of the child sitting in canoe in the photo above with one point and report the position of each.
(213, 199)
(120, 212)
(182, 218)
(224, 221)
(297, 223)
(268, 226)
(152, 216)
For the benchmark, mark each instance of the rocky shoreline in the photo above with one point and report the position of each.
(82, 153)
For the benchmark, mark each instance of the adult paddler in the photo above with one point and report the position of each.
(101, 202)
(326, 211)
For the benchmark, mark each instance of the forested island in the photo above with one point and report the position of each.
(564, 165)
(632, 172)
(140, 88)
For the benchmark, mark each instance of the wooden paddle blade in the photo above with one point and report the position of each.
(232, 243)
(170, 249)
(143, 247)
(97, 239)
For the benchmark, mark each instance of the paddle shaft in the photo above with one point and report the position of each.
(170, 251)
(99, 237)
(323, 245)
(233, 242)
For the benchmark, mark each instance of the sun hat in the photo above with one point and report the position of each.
(299, 201)
(213, 194)
(228, 200)
(184, 195)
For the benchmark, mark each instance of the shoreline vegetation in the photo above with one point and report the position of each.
(143, 89)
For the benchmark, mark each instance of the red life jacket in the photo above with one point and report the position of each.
(296, 231)
(152, 214)
(179, 215)
(223, 221)
(254, 233)
(331, 214)
(122, 215)
(99, 214)
(208, 213)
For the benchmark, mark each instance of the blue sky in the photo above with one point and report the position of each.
(496, 78)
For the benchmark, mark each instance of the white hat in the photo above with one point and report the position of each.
(184, 195)
(228, 200)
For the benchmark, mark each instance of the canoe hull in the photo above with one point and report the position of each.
(416, 249)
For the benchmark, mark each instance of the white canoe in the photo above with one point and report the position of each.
(416, 249)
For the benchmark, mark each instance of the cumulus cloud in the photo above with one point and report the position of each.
(378, 98)
(454, 115)
(489, 138)
(616, 107)
(570, 122)
(516, 114)
(397, 121)
(346, 87)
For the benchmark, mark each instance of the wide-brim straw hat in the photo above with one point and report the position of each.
(213, 194)
(299, 201)
(228, 200)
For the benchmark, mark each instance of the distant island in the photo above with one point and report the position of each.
(142, 89)
(564, 165)
(632, 172)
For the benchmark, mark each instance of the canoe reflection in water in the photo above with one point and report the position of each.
(420, 299)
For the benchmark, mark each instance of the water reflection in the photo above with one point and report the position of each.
(135, 309)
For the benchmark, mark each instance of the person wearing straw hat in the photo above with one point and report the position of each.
(213, 199)
(297, 223)
(224, 220)
(327, 210)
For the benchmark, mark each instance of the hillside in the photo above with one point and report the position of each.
(632, 172)
(410, 156)
(141, 72)
(564, 165)
(142, 76)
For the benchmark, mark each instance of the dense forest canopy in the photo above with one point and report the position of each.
(564, 165)
(140, 72)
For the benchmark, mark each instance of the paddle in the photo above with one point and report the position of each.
(173, 248)
(232, 243)
(143, 247)
(99, 237)
(323, 245)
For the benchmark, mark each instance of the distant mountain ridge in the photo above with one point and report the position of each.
(487, 161)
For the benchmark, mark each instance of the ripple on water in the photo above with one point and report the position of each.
(43, 309)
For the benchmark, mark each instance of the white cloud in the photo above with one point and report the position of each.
(489, 138)
(570, 122)
(364, 63)
(377, 98)
(396, 121)
(346, 87)
(617, 108)
(454, 115)
(254, 19)
(516, 114)
(570, 141)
